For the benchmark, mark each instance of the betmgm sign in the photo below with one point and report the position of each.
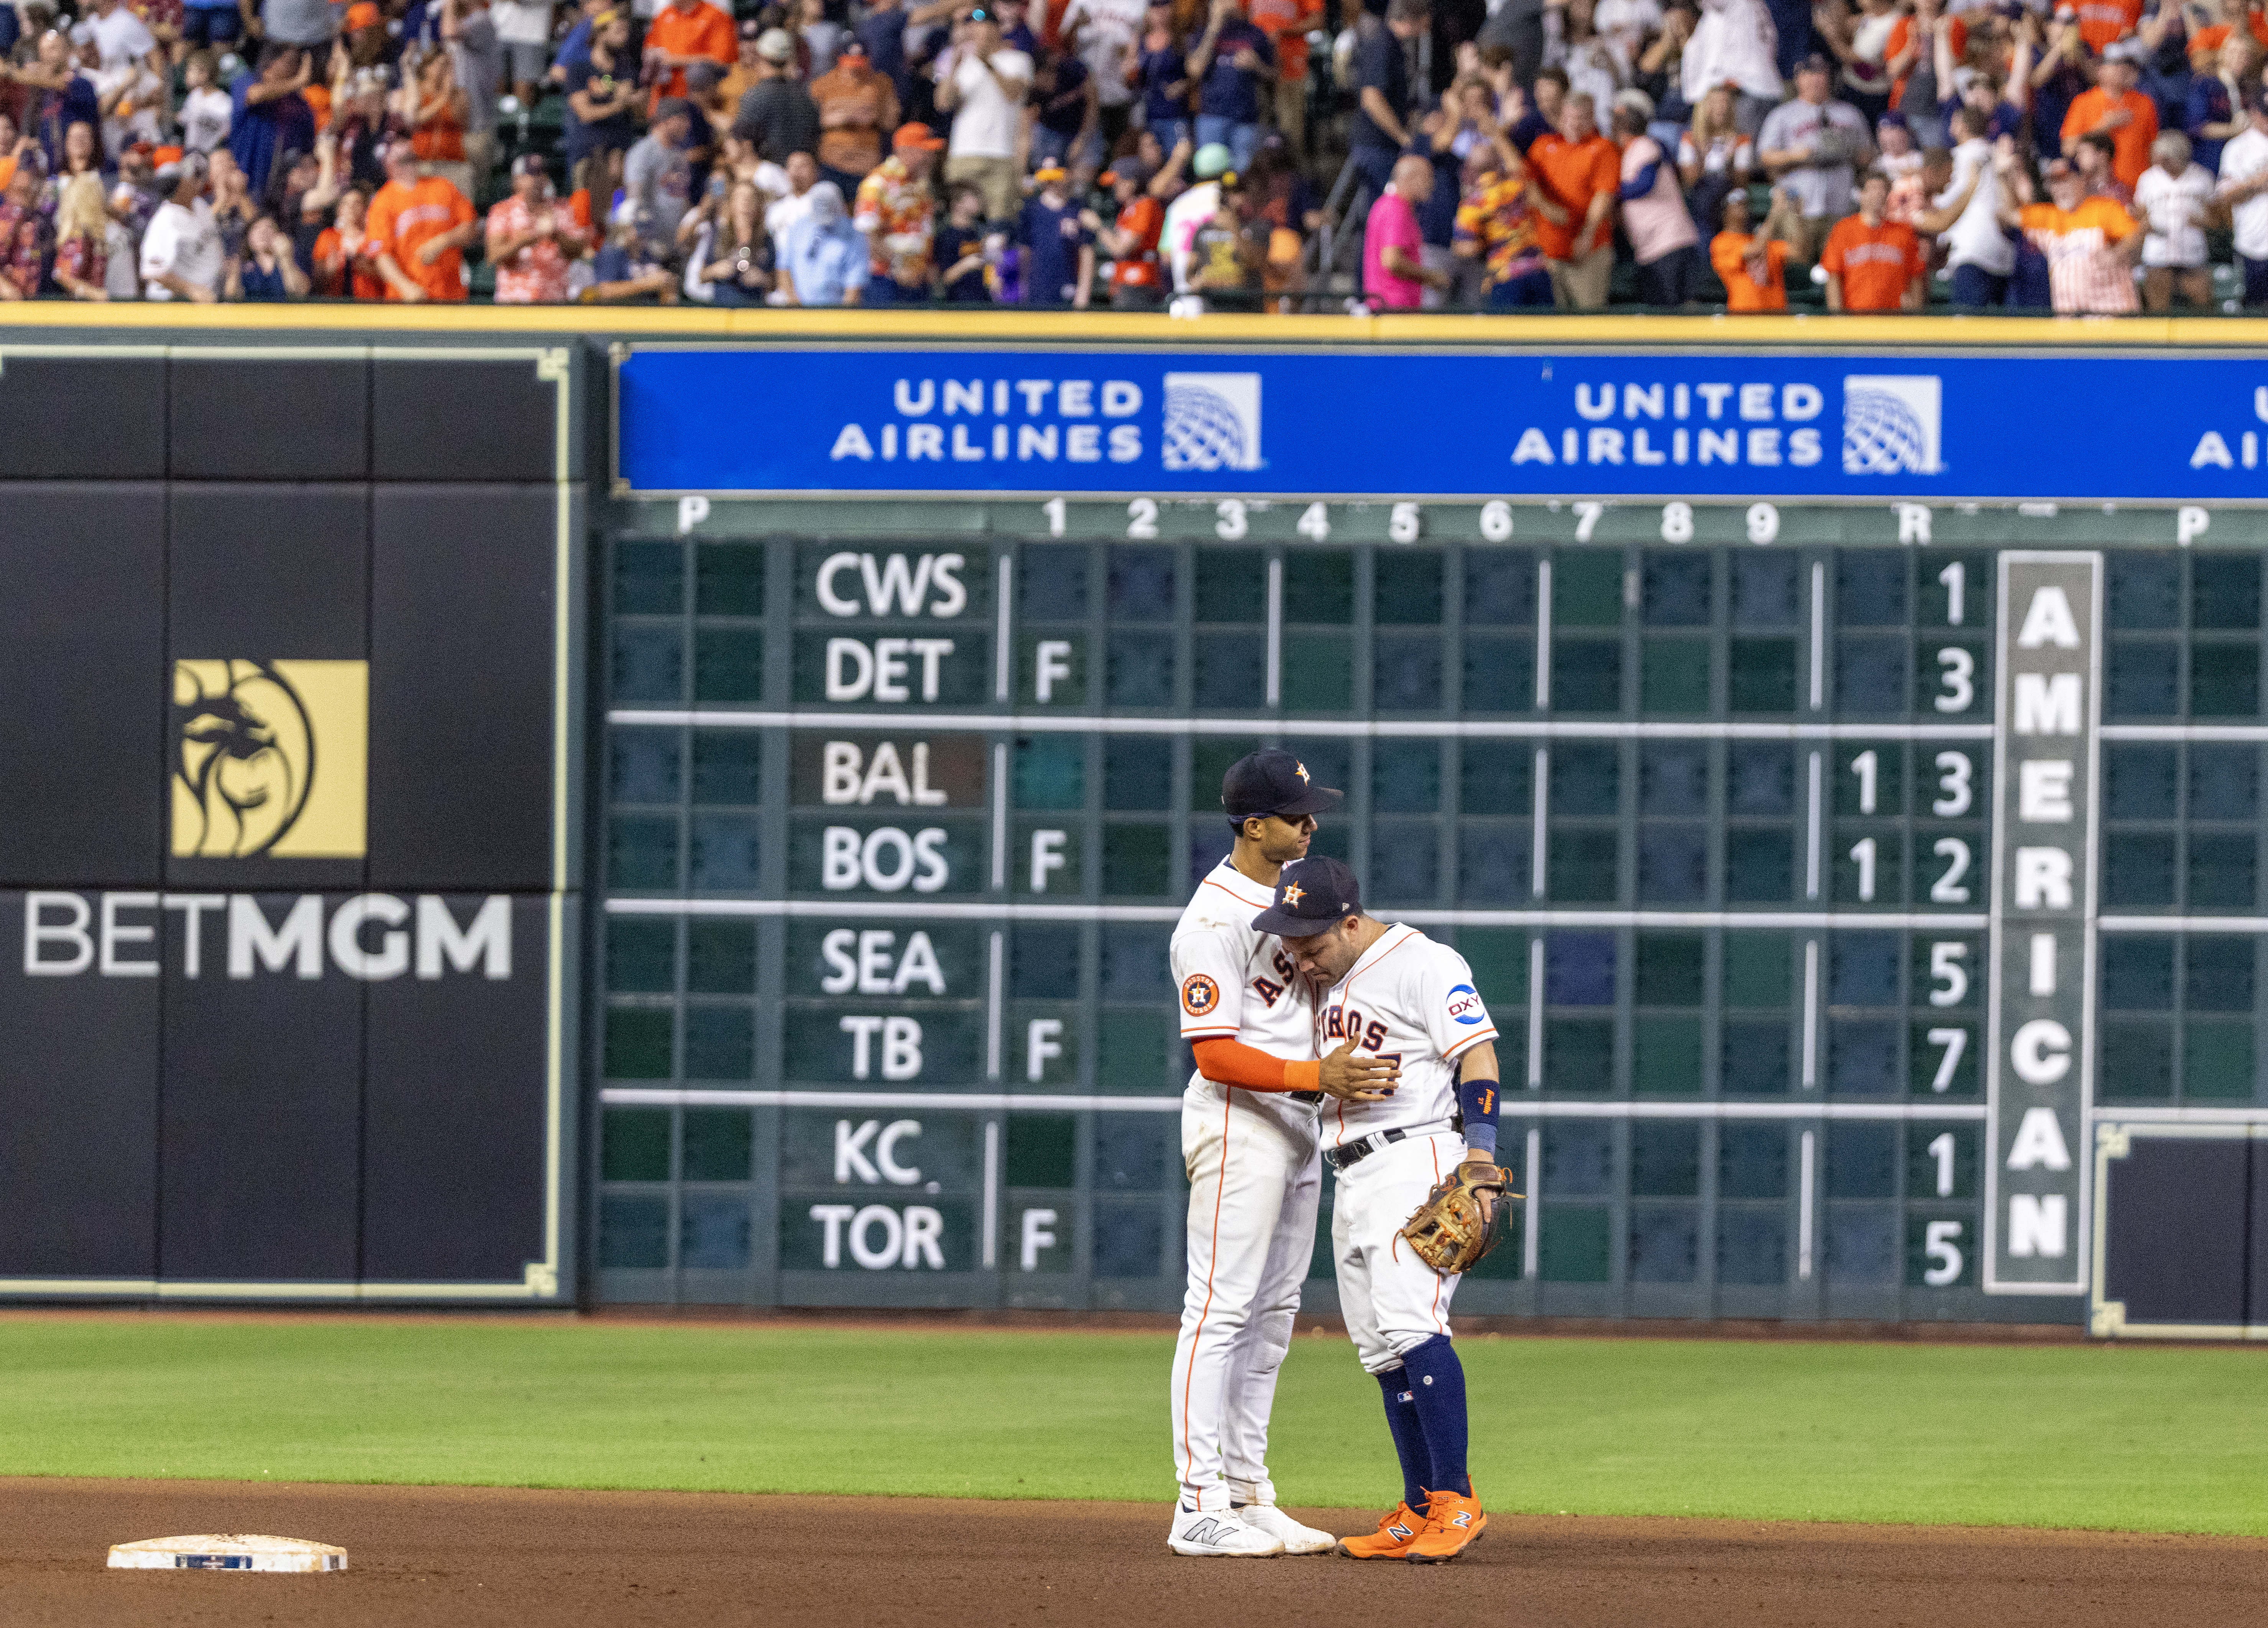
(286, 897)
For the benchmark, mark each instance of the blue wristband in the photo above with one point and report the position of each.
(1477, 1103)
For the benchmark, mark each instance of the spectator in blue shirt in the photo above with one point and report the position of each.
(61, 96)
(1231, 62)
(960, 250)
(1016, 28)
(883, 34)
(269, 117)
(2212, 113)
(1163, 71)
(823, 258)
(1378, 129)
(1067, 127)
(1058, 241)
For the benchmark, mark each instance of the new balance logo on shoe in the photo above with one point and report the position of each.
(1397, 1530)
(1463, 1517)
(1205, 1532)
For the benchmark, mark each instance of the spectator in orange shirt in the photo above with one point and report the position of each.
(2102, 23)
(1579, 175)
(343, 269)
(2090, 244)
(2115, 109)
(682, 33)
(1873, 263)
(419, 226)
(1753, 267)
(1286, 23)
(2205, 44)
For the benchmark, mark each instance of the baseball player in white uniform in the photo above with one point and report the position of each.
(1249, 1139)
(1393, 993)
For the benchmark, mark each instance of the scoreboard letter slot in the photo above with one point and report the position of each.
(2039, 1065)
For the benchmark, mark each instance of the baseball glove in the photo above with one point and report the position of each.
(1452, 1230)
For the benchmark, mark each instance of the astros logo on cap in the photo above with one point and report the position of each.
(1199, 994)
(1293, 893)
(1302, 768)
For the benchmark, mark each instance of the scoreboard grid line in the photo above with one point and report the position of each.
(1011, 723)
(994, 1101)
(1819, 921)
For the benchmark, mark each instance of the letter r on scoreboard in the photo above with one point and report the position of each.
(2039, 1077)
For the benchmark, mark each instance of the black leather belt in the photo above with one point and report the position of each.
(1351, 1153)
(1307, 1096)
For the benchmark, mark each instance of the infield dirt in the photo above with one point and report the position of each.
(453, 1556)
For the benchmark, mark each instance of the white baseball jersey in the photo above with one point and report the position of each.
(1413, 1000)
(1254, 1185)
(1233, 983)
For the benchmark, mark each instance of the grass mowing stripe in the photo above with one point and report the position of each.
(2143, 1437)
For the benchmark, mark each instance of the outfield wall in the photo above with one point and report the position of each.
(887, 758)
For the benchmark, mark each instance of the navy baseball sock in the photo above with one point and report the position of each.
(1409, 1437)
(1437, 1387)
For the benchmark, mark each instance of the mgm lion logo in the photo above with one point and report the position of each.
(268, 759)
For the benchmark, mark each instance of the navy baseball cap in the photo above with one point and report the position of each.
(1273, 781)
(1312, 897)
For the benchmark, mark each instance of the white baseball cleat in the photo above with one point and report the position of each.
(1220, 1532)
(1296, 1539)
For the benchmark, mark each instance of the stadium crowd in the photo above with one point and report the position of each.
(1862, 155)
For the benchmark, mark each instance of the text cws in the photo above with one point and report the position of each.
(372, 936)
(2043, 996)
(1764, 426)
(1000, 421)
(889, 669)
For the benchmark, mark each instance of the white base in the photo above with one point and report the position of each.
(228, 1552)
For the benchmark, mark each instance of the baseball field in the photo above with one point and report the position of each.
(497, 1470)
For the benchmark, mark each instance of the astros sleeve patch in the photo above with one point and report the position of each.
(1199, 995)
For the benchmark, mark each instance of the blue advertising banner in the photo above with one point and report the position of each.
(1372, 423)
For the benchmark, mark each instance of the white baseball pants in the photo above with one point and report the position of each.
(1255, 1181)
(1391, 1300)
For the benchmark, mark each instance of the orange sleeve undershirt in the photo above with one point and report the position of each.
(1232, 1063)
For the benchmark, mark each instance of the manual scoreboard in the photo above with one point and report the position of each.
(1833, 857)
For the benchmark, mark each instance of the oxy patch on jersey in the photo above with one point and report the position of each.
(1465, 1006)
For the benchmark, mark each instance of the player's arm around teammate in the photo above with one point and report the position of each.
(1392, 992)
(1248, 1142)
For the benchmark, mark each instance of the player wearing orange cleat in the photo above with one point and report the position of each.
(1396, 1534)
(1453, 1524)
(1391, 992)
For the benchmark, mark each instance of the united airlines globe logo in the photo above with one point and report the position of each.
(1212, 421)
(1892, 424)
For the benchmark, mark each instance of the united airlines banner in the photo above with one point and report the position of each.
(1815, 424)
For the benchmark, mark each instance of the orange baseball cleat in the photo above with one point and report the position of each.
(1393, 1540)
(1454, 1525)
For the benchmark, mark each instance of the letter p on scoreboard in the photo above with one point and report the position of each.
(2040, 1069)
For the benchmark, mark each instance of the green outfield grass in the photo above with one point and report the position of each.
(2146, 1439)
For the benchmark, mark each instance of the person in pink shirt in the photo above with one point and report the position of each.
(1661, 235)
(1394, 276)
